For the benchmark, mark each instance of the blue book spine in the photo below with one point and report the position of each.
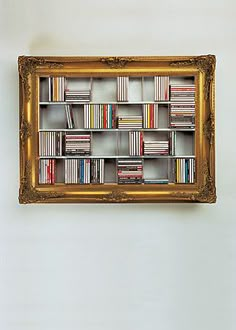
(82, 170)
(186, 170)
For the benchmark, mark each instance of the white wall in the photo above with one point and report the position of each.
(92, 267)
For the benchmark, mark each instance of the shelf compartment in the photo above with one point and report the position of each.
(104, 89)
(155, 169)
(185, 143)
(52, 117)
(104, 143)
(148, 89)
(56, 170)
(135, 89)
(78, 83)
(163, 116)
(110, 175)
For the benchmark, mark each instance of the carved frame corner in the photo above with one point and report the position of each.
(29, 194)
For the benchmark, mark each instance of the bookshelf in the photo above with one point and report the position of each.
(116, 129)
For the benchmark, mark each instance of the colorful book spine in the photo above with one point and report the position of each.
(99, 115)
(57, 89)
(47, 171)
(161, 88)
(185, 170)
(150, 116)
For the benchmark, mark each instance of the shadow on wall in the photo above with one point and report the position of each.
(48, 45)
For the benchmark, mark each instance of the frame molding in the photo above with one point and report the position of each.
(203, 67)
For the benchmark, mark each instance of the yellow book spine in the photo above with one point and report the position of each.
(55, 89)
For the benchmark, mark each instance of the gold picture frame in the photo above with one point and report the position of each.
(202, 67)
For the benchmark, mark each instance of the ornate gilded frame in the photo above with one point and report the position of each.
(202, 67)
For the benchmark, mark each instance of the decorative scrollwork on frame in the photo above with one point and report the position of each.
(206, 64)
(25, 130)
(206, 193)
(209, 128)
(116, 62)
(116, 196)
(28, 194)
(27, 65)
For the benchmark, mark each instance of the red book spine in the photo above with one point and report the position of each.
(48, 171)
(141, 143)
(113, 116)
(152, 115)
(53, 171)
(105, 116)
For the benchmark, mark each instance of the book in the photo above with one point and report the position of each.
(122, 89)
(182, 107)
(77, 144)
(161, 88)
(156, 147)
(50, 143)
(130, 171)
(99, 116)
(185, 170)
(135, 143)
(47, 171)
(150, 115)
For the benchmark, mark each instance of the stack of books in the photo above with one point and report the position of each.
(56, 89)
(161, 88)
(77, 171)
(77, 96)
(156, 147)
(99, 115)
(135, 143)
(122, 89)
(97, 170)
(185, 170)
(182, 108)
(77, 144)
(130, 121)
(47, 171)
(130, 171)
(150, 116)
(50, 143)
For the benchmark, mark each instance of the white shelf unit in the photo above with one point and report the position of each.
(111, 144)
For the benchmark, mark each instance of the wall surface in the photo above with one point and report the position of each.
(113, 267)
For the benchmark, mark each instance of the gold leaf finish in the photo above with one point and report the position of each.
(25, 130)
(116, 62)
(27, 65)
(32, 68)
(206, 64)
(116, 196)
(209, 128)
(206, 193)
(28, 194)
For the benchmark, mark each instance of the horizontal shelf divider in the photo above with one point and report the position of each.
(116, 129)
(114, 157)
(112, 102)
